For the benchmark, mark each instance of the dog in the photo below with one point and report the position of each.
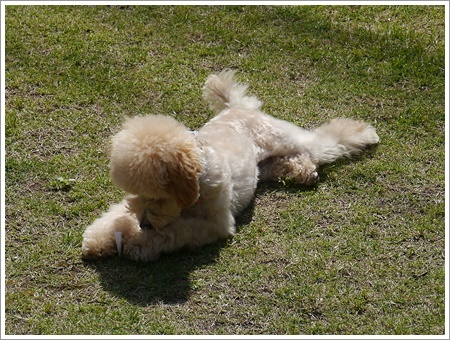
(185, 189)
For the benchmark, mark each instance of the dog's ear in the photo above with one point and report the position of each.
(184, 173)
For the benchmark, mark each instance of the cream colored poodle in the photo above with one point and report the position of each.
(186, 188)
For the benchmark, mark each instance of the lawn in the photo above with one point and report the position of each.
(363, 252)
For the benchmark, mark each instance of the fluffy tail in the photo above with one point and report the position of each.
(341, 137)
(222, 92)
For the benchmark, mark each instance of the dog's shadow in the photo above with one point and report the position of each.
(168, 279)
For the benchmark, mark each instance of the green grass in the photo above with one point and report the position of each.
(361, 253)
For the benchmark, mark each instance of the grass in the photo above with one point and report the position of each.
(360, 253)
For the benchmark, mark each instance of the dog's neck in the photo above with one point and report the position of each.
(204, 166)
(195, 134)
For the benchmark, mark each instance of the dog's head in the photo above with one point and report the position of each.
(158, 160)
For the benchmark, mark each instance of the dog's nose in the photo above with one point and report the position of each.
(145, 224)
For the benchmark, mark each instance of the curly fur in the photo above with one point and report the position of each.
(185, 191)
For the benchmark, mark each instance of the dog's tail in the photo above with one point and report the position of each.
(222, 92)
(341, 137)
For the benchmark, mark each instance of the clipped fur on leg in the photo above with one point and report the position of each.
(148, 245)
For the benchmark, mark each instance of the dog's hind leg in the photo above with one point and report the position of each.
(299, 168)
(341, 137)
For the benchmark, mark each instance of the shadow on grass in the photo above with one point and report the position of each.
(166, 280)
(324, 170)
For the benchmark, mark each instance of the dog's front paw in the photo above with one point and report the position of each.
(141, 247)
(94, 249)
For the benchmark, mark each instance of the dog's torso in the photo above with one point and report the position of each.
(230, 172)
